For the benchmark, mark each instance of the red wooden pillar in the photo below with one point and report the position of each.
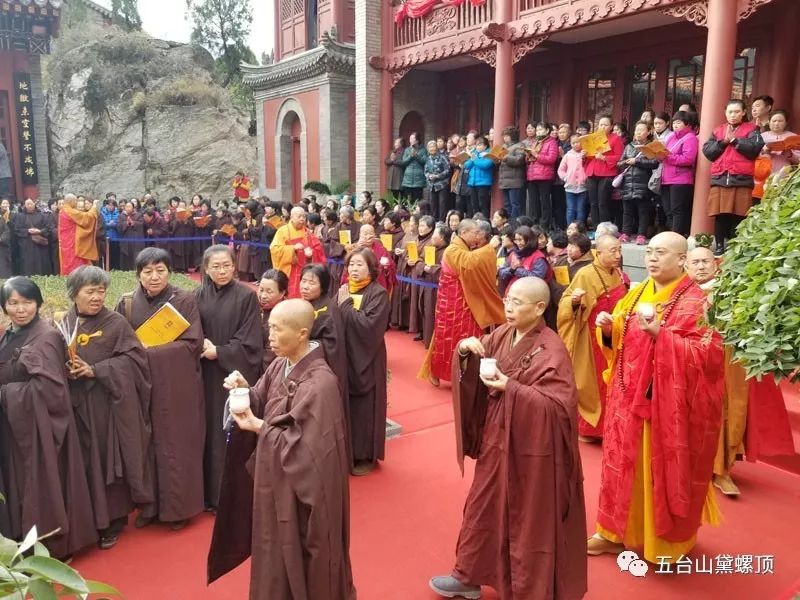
(503, 85)
(386, 119)
(784, 57)
(717, 81)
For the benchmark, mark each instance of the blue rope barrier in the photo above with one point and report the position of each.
(168, 240)
(419, 283)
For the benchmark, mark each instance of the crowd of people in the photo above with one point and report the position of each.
(549, 177)
(543, 337)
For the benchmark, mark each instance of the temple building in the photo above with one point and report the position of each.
(444, 66)
(26, 30)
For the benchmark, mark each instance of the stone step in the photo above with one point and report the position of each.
(633, 262)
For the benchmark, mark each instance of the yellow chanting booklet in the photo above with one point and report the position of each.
(344, 237)
(164, 326)
(386, 240)
(430, 255)
(561, 274)
(413, 252)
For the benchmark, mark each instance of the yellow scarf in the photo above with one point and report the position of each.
(357, 286)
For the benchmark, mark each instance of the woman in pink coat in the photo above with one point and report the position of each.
(677, 176)
(542, 158)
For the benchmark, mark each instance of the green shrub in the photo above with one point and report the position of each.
(756, 302)
(186, 92)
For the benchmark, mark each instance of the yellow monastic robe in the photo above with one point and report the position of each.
(640, 529)
(575, 329)
(282, 253)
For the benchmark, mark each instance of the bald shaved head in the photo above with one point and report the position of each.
(467, 225)
(470, 233)
(366, 233)
(665, 257)
(297, 217)
(296, 313)
(532, 289)
(525, 303)
(604, 241)
(609, 251)
(701, 265)
(290, 324)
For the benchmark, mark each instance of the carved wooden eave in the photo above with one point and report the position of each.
(697, 12)
(329, 57)
(524, 47)
(432, 52)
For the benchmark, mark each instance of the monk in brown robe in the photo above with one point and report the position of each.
(401, 296)
(755, 422)
(524, 518)
(416, 270)
(233, 342)
(176, 408)
(285, 497)
(42, 477)
(110, 388)
(272, 288)
(364, 305)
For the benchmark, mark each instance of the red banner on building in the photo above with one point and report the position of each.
(27, 147)
(416, 9)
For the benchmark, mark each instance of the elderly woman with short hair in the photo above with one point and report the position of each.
(110, 389)
(41, 469)
(176, 405)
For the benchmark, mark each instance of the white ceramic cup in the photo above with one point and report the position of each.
(239, 400)
(488, 369)
(384, 261)
(646, 310)
(308, 252)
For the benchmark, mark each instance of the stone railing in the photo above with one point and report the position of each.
(442, 22)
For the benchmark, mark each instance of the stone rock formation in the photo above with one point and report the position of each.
(129, 113)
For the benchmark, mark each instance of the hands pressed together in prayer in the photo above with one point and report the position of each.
(246, 421)
(209, 350)
(79, 368)
(472, 345)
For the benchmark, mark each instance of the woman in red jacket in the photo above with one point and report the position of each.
(601, 170)
(542, 158)
(732, 150)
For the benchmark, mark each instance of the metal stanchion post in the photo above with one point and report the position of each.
(108, 253)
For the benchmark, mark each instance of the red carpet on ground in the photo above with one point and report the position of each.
(406, 517)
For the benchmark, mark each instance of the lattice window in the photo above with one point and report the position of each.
(600, 89)
(538, 100)
(684, 82)
(744, 66)
(640, 86)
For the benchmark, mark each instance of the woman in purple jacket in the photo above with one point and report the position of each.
(677, 177)
(542, 158)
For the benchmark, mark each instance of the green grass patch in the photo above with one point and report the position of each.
(54, 290)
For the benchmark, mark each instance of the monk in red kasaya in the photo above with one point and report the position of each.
(293, 247)
(663, 413)
(467, 302)
(755, 422)
(524, 520)
(77, 244)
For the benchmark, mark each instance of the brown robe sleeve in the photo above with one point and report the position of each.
(244, 350)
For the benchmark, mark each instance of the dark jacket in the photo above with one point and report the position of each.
(437, 171)
(511, 173)
(414, 164)
(636, 177)
(394, 170)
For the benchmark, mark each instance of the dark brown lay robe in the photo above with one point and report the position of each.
(334, 249)
(415, 291)
(366, 357)
(524, 528)
(401, 295)
(177, 409)
(112, 412)
(182, 252)
(428, 304)
(288, 502)
(231, 320)
(41, 467)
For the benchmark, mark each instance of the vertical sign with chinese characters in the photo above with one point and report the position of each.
(27, 148)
